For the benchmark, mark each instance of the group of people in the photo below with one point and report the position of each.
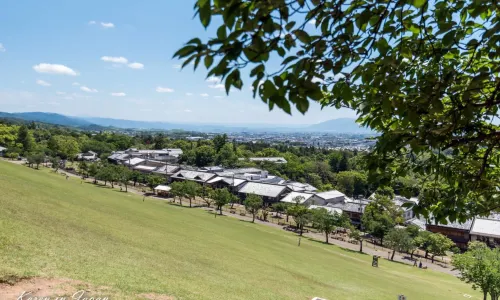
(420, 265)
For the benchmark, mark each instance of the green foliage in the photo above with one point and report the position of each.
(204, 156)
(226, 156)
(352, 183)
(424, 74)
(25, 138)
(439, 244)
(380, 216)
(64, 146)
(219, 142)
(399, 240)
(301, 215)
(252, 204)
(221, 197)
(154, 180)
(480, 266)
(35, 158)
(326, 222)
(191, 190)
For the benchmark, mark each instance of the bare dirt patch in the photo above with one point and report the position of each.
(154, 296)
(50, 288)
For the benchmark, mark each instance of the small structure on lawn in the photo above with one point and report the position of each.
(162, 190)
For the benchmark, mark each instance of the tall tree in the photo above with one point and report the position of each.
(424, 74)
(480, 266)
(253, 203)
(191, 190)
(398, 239)
(219, 142)
(124, 176)
(206, 193)
(439, 244)
(204, 156)
(25, 138)
(221, 198)
(177, 190)
(301, 215)
(355, 234)
(324, 221)
(154, 180)
(380, 216)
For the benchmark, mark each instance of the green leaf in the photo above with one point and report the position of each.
(289, 26)
(448, 38)
(419, 3)
(185, 51)
(383, 46)
(208, 61)
(221, 32)
(205, 12)
(302, 36)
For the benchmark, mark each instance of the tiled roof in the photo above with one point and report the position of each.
(486, 227)
(165, 188)
(291, 196)
(145, 168)
(133, 161)
(457, 225)
(330, 195)
(193, 175)
(262, 189)
(227, 180)
(167, 169)
(331, 210)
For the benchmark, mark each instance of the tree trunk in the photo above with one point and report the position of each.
(287, 218)
(485, 295)
(253, 218)
(190, 202)
(301, 229)
(180, 201)
(432, 259)
(411, 255)
(220, 210)
(105, 182)
(126, 188)
(361, 246)
(426, 254)
(112, 184)
(392, 256)
(326, 234)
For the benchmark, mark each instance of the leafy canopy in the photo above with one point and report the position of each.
(424, 74)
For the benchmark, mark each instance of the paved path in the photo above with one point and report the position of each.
(368, 248)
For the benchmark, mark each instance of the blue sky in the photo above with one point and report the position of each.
(114, 59)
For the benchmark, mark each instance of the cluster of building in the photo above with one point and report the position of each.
(272, 189)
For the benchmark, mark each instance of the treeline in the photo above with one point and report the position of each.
(344, 170)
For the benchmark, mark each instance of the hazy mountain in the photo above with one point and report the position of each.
(340, 125)
(50, 118)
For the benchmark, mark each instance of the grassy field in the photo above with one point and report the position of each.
(62, 228)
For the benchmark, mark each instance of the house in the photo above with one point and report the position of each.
(299, 186)
(200, 177)
(458, 232)
(88, 156)
(269, 192)
(118, 157)
(167, 170)
(165, 155)
(276, 160)
(400, 201)
(487, 231)
(232, 184)
(332, 197)
(162, 190)
(131, 162)
(212, 169)
(354, 209)
(2, 151)
(306, 199)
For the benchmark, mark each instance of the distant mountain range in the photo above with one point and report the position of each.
(341, 125)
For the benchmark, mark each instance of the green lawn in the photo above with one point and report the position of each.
(62, 228)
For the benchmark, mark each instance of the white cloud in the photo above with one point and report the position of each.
(119, 94)
(189, 94)
(75, 84)
(187, 110)
(42, 83)
(61, 93)
(218, 97)
(2, 48)
(176, 66)
(136, 65)
(103, 24)
(218, 86)
(204, 95)
(88, 90)
(54, 69)
(164, 90)
(213, 79)
(115, 59)
(107, 25)
(312, 22)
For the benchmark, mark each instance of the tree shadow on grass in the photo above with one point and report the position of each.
(341, 248)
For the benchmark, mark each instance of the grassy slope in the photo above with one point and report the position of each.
(63, 228)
